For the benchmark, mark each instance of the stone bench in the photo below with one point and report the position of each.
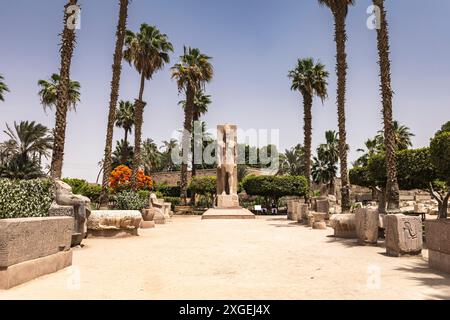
(33, 247)
(114, 223)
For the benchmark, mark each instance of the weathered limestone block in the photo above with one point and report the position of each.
(81, 209)
(323, 206)
(303, 213)
(32, 238)
(114, 223)
(147, 224)
(319, 220)
(403, 235)
(32, 247)
(438, 243)
(344, 225)
(310, 220)
(367, 221)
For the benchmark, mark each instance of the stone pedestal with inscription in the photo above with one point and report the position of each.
(403, 235)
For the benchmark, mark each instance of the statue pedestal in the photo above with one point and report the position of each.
(228, 201)
(228, 214)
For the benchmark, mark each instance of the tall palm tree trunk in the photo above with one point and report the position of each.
(115, 85)
(194, 165)
(139, 119)
(392, 188)
(341, 68)
(186, 141)
(307, 109)
(68, 39)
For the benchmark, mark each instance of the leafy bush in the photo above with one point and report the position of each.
(129, 200)
(82, 187)
(175, 201)
(25, 198)
(204, 185)
(168, 191)
(275, 187)
(440, 155)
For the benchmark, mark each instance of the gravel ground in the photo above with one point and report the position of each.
(266, 258)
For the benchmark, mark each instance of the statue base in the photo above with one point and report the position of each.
(238, 213)
(228, 201)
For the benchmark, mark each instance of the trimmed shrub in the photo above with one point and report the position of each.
(275, 187)
(168, 191)
(206, 186)
(129, 200)
(25, 198)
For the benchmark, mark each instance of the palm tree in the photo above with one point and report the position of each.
(115, 84)
(148, 51)
(22, 153)
(125, 117)
(166, 160)
(68, 39)
(123, 155)
(29, 140)
(339, 8)
(3, 88)
(323, 171)
(372, 147)
(310, 79)
(192, 73)
(49, 92)
(292, 162)
(402, 137)
(328, 153)
(201, 104)
(151, 157)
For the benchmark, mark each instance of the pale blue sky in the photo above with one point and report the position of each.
(254, 43)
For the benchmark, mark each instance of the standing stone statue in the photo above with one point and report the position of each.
(227, 182)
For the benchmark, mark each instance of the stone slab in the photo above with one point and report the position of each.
(228, 214)
(404, 235)
(147, 224)
(439, 261)
(32, 238)
(28, 270)
(344, 225)
(438, 235)
(367, 221)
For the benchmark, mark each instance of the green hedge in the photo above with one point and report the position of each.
(25, 198)
(204, 185)
(82, 187)
(129, 200)
(275, 186)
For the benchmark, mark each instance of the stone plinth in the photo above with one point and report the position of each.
(228, 201)
(114, 223)
(319, 220)
(294, 212)
(403, 235)
(367, 220)
(228, 214)
(304, 211)
(438, 243)
(323, 205)
(344, 226)
(33, 247)
(147, 224)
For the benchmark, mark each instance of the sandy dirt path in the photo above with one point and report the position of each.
(267, 258)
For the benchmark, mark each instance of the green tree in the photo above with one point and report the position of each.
(292, 162)
(123, 154)
(114, 97)
(68, 40)
(310, 79)
(151, 157)
(125, 117)
(339, 8)
(402, 137)
(192, 73)
(440, 158)
(3, 88)
(148, 51)
(49, 92)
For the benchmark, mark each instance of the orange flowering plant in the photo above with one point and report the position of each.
(121, 179)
